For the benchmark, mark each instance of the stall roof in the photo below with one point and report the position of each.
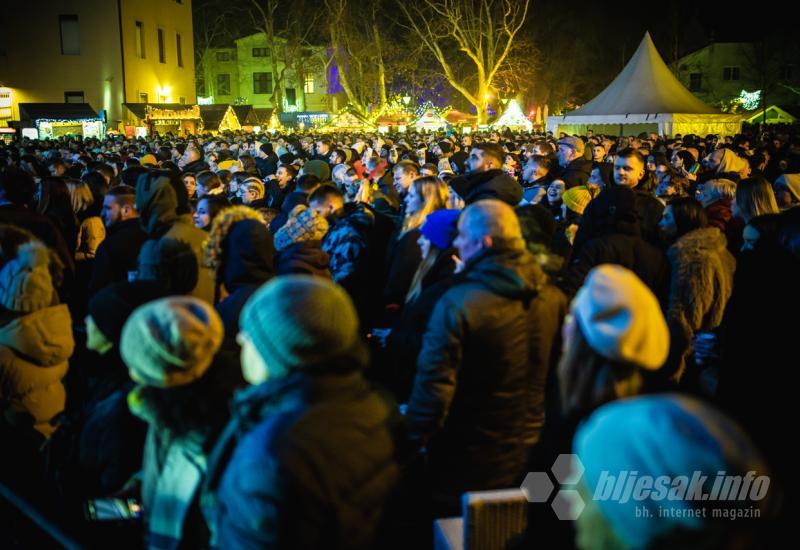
(140, 109)
(56, 111)
(212, 115)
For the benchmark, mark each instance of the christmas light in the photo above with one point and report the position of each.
(513, 118)
(750, 100)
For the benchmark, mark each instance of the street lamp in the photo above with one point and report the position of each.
(406, 100)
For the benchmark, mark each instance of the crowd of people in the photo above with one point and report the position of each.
(326, 340)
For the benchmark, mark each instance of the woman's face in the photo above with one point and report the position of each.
(661, 171)
(202, 217)
(651, 164)
(598, 153)
(510, 165)
(555, 191)
(414, 201)
(595, 178)
(667, 224)
(191, 184)
(424, 246)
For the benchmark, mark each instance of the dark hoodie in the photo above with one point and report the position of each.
(247, 263)
(493, 184)
(305, 258)
(163, 206)
(478, 395)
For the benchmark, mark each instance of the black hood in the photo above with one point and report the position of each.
(494, 184)
(248, 255)
(306, 257)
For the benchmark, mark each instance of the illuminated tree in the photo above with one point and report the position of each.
(480, 34)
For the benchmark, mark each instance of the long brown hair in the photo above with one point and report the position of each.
(435, 194)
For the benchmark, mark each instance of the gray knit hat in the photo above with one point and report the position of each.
(304, 224)
(299, 321)
(25, 282)
(171, 342)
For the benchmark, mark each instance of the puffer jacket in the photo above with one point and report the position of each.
(34, 350)
(492, 184)
(347, 243)
(478, 395)
(158, 205)
(700, 286)
(308, 461)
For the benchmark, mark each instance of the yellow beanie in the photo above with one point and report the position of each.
(577, 199)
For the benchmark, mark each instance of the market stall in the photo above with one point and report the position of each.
(513, 118)
(61, 119)
(218, 118)
(148, 118)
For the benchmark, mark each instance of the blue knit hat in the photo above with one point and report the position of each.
(299, 321)
(441, 228)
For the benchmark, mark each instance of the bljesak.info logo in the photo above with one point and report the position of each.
(698, 494)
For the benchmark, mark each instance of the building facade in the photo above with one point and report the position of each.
(243, 74)
(719, 72)
(101, 52)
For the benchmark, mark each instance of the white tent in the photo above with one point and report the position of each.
(646, 97)
(513, 118)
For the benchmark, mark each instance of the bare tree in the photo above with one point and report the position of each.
(211, 29)
(482, 31)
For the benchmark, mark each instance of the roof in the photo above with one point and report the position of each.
(139, 109)
(56, 111)
(212, 115)
(645, 86)
(244, 111)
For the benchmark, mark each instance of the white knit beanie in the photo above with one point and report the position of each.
(621, 318)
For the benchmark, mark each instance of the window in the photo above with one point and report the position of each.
(162, 51)
(74, 97)
(730, 73)
(178, 50)
(223, 56)
(308, 85)
(788, 73)
(143, 98)
(140, 53)
(695, 82)
(223, 84)
(291, 97)
(262, 83)
(260, 52)
(70, 36)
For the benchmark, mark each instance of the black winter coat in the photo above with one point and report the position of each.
(305, 258)
(404, 256)
(574, 174)
(117, 254)
(478, 395)
(494, 184)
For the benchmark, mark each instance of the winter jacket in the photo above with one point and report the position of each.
(276, 195)
(196, 166)
(721, 216)
(574, 174)
(701, 284)
(157, 204)
(346, 243)
(306, 462)
(478, 395)
(290, 201)
(90, 236)
(493, 184)
(404, 258)
(34, 350)
(304, 258)
(117, 254)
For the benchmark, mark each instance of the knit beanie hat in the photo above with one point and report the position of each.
(577, 199)
(287, 158)
(672, 436)
(231, 165)
(440, 228)
(148, 160)
(445, 147)
(304, 224)
(170, 342)
(621, 318)
(25, 282)
(112, 305)
(319, 168)
(300, 321)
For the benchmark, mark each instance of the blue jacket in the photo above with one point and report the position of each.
(306, 462)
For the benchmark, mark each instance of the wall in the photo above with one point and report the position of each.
(162, 82)
(36, 71)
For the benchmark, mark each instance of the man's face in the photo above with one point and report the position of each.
(111, 212)
(478, 161)
(322, 148)
(323, 208)
(598, 153)
(628, 171)
(403, 180)
(529, 171)
(565, 154)
(334, 159)
(466, 245)
(283, 176)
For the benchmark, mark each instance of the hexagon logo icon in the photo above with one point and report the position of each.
(537, 487)
(568, 469)
(568, 505)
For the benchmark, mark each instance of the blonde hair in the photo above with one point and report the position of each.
(435, 194)
(80, 195)
(755, 197)
(252, 184)
(721, 188)
(220, 228)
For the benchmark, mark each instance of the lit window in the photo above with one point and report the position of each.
(308, 85)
